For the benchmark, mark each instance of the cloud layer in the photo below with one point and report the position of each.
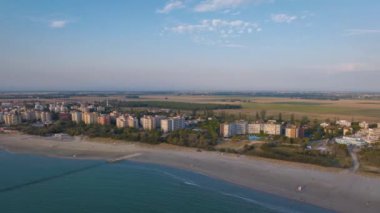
(283, 18)
(170, 6)
(58, 24)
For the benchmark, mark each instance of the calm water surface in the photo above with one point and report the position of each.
(44, 185)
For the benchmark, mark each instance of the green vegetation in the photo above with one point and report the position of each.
(370, 156)
(73, 129)
(297, 153)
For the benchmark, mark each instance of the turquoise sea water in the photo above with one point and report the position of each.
(41, 184)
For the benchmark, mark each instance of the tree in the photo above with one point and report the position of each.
(280, 117)
(263, 114)
(304, 120)
(257, 116)
(292, 118)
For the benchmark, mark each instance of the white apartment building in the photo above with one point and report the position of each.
(255, 128)
(90, 118)
(148, 122)
(241, 127)
(45, 117)
(76, 117)
(133, 122)
(272, 129)
(11, 119)
(172, 124)
(121, 122)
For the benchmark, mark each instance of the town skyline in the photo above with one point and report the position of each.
(188, 45)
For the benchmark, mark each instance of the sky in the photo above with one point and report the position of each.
(208, 45)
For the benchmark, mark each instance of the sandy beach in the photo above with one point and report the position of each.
(334, 189)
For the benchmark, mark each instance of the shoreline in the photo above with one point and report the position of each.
(330, 188)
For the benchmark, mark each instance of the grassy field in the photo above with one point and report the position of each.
(320, 109)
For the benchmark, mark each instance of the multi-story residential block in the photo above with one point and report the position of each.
(90, 118)
(28, 115)
(148, 122)
(76, 116)
(294, 132)
(11, 119)
(255, 128)
(241, 127)
(133, 122)
(45, 117)
(172, 124)
(121, 122)
(104, 119)
(227, 130)
(272, 129)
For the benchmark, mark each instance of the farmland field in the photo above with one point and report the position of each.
(320, 109)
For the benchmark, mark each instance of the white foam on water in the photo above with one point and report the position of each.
(268, 206)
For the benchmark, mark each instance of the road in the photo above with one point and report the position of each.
(355, 160)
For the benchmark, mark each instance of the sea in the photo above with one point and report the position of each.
(39, 184)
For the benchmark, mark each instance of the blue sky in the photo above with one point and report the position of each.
(190, 45)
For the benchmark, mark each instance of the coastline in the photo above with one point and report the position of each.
(330, 188)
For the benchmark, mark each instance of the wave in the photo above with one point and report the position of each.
(265, 205)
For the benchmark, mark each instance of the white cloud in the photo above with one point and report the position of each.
(171, 5)
(283, 18)
(58, 23)
(217, 31)
(219, 26)
(354, 32)
(214, 5)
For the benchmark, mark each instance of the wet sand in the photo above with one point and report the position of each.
(335, 189)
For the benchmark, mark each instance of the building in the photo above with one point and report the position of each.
(241, 127)
(121, 122)
(90, 118)
(343, 123)
(104, 120)
(28, 115)
(324, 124)
(172, 124)
(148, 122)
(272, 129)
(45, 117)
(11, 119)
(364, 125)
(294, 132)
(133, 122)
(64, 116)
(76, 117)
(255, 128)
(223, 130)
(351, 141)
(347, 131)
